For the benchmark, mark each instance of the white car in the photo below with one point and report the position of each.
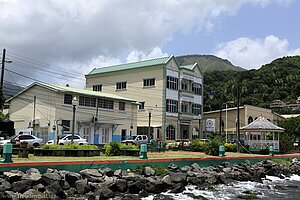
(68, 138)
(32, 140)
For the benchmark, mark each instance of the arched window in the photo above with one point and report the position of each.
(250, 119)
(170, 133)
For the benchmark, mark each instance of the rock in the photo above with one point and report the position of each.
(72, 177)
(186, 169)
(118, 173)
(143, 193)
(155, 187)
(178, 188)
(110, 182)
(71, 191)
(106, 171)
(49, 170)
(162, 197)
(121, 185)
(33, 194)
(227, 169)
(148, 171)
(21, 186)
(55, 188)
(226, 164)
(167, 180)
(134, 187)
(32, 171)
(196, 167)
(48, 178)
(173, 167)
(13, 175)
(211, 179)
(92, 175)
(39, 187)
(82, 186)
(64, 184)
(104, 192)
(178, 177)
(195, 181)
(4, 185)
(34, 177)
(190, 173)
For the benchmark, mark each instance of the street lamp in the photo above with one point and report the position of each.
(74, 103)
(200, 131)
(149, 125)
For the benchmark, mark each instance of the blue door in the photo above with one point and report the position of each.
(96, 138)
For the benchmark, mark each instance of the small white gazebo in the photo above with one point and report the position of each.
(256, 134)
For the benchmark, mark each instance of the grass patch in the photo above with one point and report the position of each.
(160, 171)
(69, 146)
(281, 162)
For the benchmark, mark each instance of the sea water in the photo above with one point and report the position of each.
(272, 188)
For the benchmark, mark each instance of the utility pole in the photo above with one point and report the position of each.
(2, 79)
(238, 116)
(33, 119)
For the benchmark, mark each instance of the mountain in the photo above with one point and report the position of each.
(10, 90)
(208, 62)
(278, 80)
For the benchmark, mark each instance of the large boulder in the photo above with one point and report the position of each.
(173, 167)
(155, 186)
(39, 187)
(178, 188)
(148, 171)
(55, 188)
(92, 175)
(121, 185)
(104, 192)
(4, 185)
(107, 171)
(13, 175)
(196, 167)
(21, 186)
(82, 186)
(72, 177)
(134, 187)
(178, 177)
(34, 177)
(48, 178)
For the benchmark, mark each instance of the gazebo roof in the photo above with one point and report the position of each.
(261, 124)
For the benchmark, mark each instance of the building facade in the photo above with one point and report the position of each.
(99, 117)
(169, 95)
(248, 114)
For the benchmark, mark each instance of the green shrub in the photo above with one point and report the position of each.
(197, 145)
(124, 146)
(69, 146)
(112, 149)
(212, 146)
(230, 147)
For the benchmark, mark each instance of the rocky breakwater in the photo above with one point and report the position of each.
(127, 184)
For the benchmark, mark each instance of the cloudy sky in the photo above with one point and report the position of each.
(58, 41)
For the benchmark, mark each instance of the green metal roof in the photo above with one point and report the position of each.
(190, 67)
(74, 90)
(134, 65)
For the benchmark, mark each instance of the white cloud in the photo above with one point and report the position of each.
(140, 55)
(252, 53)
(86, 31)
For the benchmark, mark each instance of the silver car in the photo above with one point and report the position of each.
(68, 138)
(32, 140)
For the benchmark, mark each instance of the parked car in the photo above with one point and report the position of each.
(177, 143)
(32, 140)
(77, 139)
(137, 140)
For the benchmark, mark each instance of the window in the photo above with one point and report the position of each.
(105, 103)
(170, 133)
(149, 82)
(97, 87)
(172, 83)
(141, 105)
(172, 106)
(250, 120)
(196, 109)
(66, 125)
(184, 108)
(121, 85)
(121, 105)
(87, 101)
(197, 88)
(105, 135)
(68, 99)
(184, 86)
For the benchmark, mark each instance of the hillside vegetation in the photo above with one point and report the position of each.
(208, 62)
(278, 80)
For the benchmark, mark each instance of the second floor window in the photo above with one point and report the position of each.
(172, 106)
(97, 87)
(172, 83)
(197, 88)
(121, 85)
(184, 108)
(141, 105)
(196, 109)
(68, 99)
(121, 105)
(87, 101)
(149, 82)
(105, 103)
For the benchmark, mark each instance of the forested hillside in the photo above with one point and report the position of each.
(278, 80)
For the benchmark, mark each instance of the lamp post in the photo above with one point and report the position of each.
(200, 130)
(149, 125)
(74, 103)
